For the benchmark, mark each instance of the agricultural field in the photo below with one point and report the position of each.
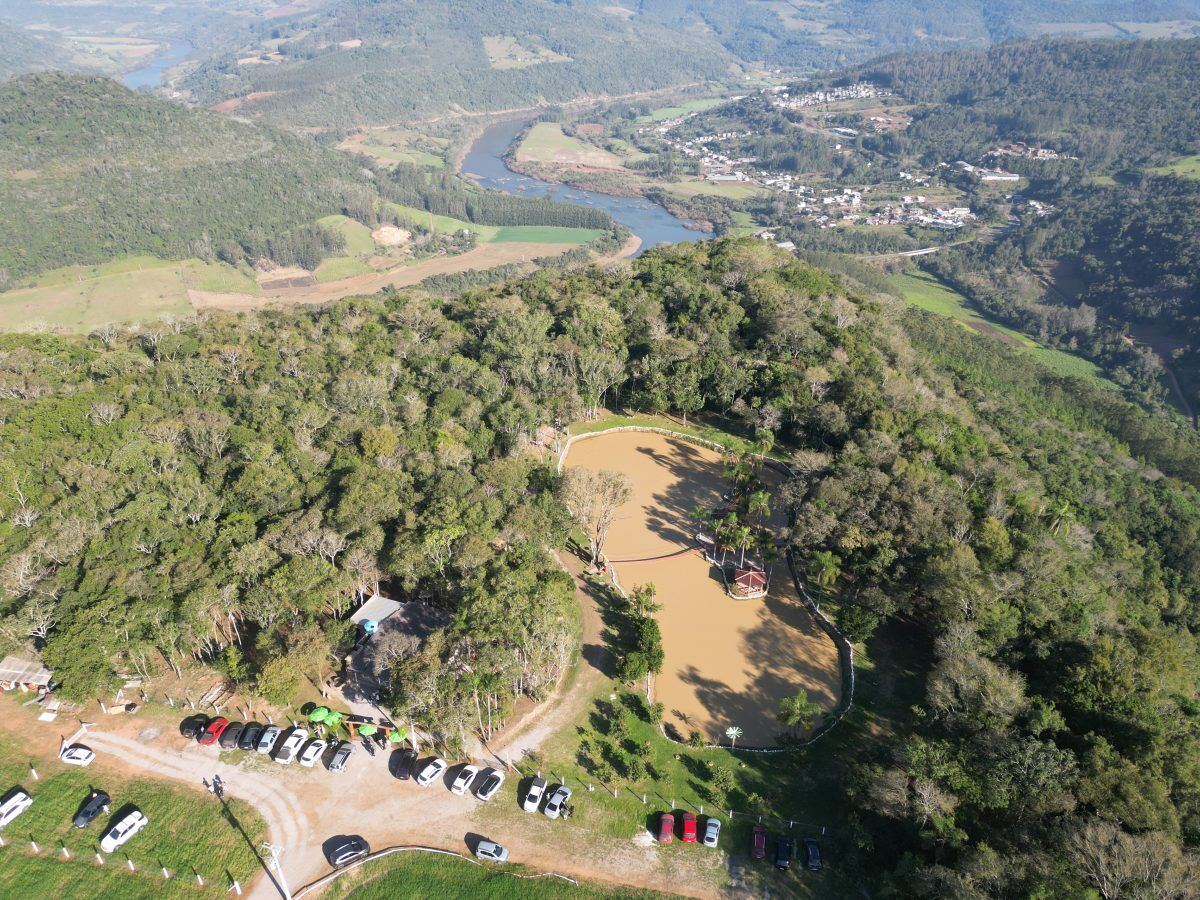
(926, 292)
(134, 289)
(187, 828)
(730, 191)
(501, 234)
(389, 146)
(546, 143)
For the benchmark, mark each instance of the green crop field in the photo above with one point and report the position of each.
(133, 289)
(732, 191)
(187, 828)
(924, 291)
(545, 234)
(339, 267)
(546, 143)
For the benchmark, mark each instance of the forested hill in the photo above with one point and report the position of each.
(1027, 594)
(1108, 102)
(90, 170)
(356, 62)
(22, 51)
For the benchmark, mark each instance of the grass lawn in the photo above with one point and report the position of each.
(444, 223)
(186, 828)
(926, 292)
(421, 875)
(670, 112)
(1184, 167)
(358, 235)
(546, 143)
(732, 191)
(545, 234)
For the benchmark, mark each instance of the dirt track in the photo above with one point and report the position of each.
(728, 662)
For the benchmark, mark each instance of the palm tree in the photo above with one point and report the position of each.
(759, 506)
(741, 536)
(827, 568)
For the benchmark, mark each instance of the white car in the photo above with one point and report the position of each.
(533, 796)
(558, 799)
(15, 804)
(312, 753)
(286, 752)
(266, 743)
(130, 824)
(492, 780)
(77, 755)
(712, 831)
(432, 772)
(463, 779)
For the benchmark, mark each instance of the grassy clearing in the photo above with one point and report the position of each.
(444, 224)
(339, 267)
(420, 875)
(358, 235)
(670, 112)
(545, 234)
(546, 143)
(730, 191)
(648, 420)
(1184, 167)
(186, 828)
(926, 292)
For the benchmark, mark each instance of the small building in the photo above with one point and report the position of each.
(748, 582)
(25, 674)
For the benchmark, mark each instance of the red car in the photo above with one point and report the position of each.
(214, 731)
(666, 828)
(758, 843)
(689, 828)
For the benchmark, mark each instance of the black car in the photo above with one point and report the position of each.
(193, 726)
(344, 854)
(403, 763)
(250, 735)
(92, 807)
(229, 737)
(812, 854)
(785, 849)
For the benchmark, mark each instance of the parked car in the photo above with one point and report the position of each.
(344, 854)
(129, 825)
(666, 828)
(15, 803)
(193, 726)
(492, 851)
(312, 753)
(689, 828)
(92, 807)
(403, 763)
(250, 735)
(290, 746)
(758, 843)
(77, 755)
(266, 743)
(812, 854)
(433, 770)
(492, 780)
(463, 779)
(712, 831)
(213, 730)
(558, 799)
(229, 737)
(533, 796)
(785, 849)
(341, 757)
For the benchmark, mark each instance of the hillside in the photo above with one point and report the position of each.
(22, 51)
(356, 62)
(1024, 593)
(89, 171)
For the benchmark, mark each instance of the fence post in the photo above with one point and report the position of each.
(34, 773)
(235, 888)
(199, 880)
(65, 851)
(643, 799)
(33, 844)
(166, 874)
(99, 858)
(131, 867)
(170, 702)
(701, 809)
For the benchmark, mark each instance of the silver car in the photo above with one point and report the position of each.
(266, 743)
(341, 757)
(432, 772)
(492, 851)
(492, 780)
(712, 831)
(558, 799)
(291, 745)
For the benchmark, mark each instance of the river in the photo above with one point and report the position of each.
(646, 220)
(150, 76)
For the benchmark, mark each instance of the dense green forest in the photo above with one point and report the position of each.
(21, 51)
(421, 59)
(217, 490)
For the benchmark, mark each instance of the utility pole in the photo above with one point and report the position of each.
(273, 851)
